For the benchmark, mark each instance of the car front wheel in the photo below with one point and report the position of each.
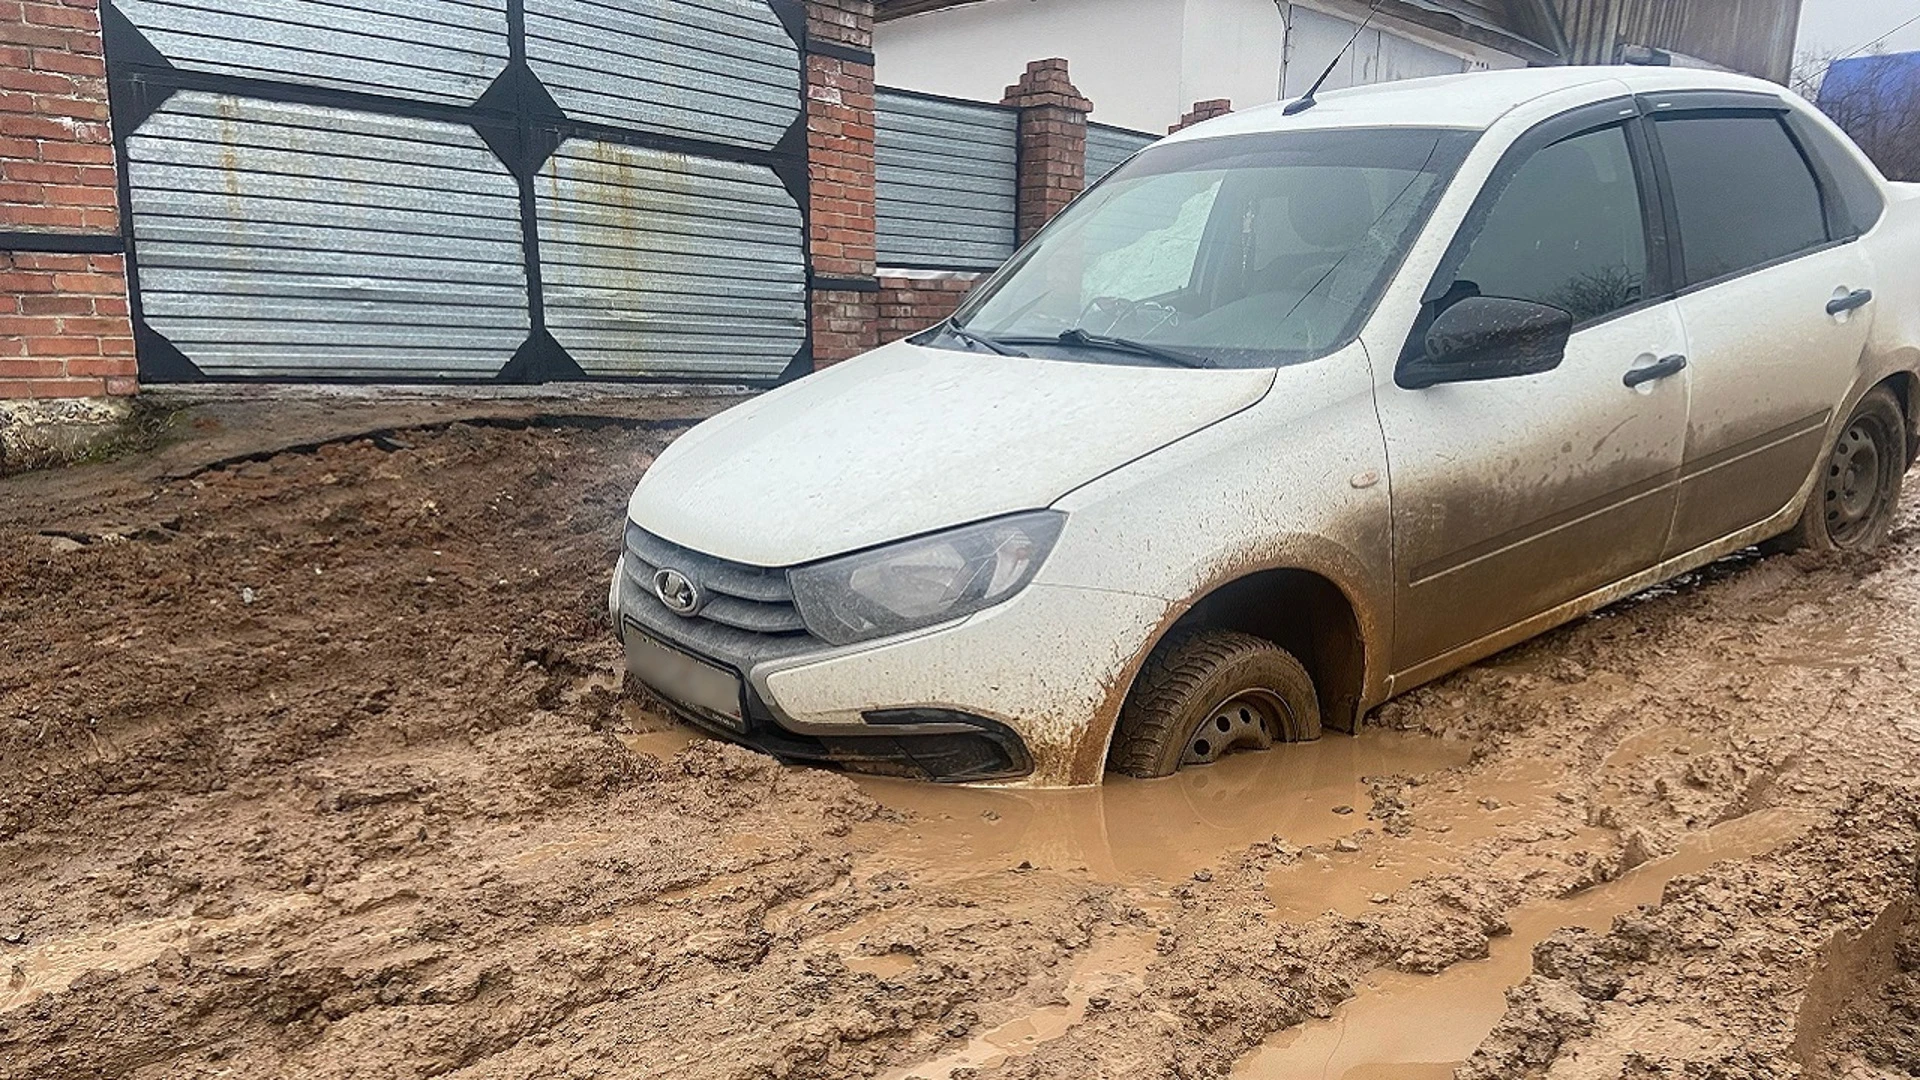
(1853, 501)
(1210, 693)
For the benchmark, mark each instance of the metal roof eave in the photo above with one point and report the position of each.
(1451, 18)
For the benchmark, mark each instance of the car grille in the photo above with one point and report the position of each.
(749, 615)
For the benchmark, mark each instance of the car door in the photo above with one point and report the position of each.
(1513, 496)
(1775, 302)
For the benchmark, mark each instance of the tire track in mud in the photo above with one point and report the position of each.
(389, 818)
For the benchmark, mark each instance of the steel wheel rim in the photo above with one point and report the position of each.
(1250, 718)
(1855, 485)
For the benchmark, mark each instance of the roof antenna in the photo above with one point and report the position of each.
(1295, 108)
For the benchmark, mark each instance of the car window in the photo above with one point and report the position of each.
(1742, 190)
(1861, 203)
(1567, 230)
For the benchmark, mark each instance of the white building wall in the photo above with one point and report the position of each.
(1124, 54)
(1143, 63)
(1231, 49)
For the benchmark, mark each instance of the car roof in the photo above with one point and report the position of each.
(1473, 101)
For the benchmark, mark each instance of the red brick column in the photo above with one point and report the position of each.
(1203, 110)
(1053, 142)
(840, 177)
(64, 327)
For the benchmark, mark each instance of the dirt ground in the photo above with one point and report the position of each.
(315, 763)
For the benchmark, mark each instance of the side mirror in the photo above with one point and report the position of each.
(1488, 337)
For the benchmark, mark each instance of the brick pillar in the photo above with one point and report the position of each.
(1201, 111)
(1053, 142)
(840, 177)
(64, 327)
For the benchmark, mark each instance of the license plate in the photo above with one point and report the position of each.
(685, 680)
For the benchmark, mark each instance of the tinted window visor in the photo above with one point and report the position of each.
(1248, 251)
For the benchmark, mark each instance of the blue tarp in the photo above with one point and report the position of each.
(1894, 74)
(1876, 99)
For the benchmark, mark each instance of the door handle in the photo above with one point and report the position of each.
(1858, 298)
(1671, 365)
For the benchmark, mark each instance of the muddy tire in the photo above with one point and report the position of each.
(1209, 693)
(1858, 490)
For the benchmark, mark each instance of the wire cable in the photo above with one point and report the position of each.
(1856, 52)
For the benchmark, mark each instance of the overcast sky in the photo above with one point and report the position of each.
(1837, 26)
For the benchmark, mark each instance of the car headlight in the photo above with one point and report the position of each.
(923, 581)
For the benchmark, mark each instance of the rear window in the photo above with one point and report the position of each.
(1743, 191)
(1856, 191)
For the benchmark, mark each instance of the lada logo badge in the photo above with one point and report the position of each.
(677, 591)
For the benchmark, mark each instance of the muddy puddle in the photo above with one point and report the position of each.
(647, 732)
(1422, 1027)
(1510, 799)
(1127, 830)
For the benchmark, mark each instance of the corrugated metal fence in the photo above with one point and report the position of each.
(1107, 147)
(947, 172)
(460, 189)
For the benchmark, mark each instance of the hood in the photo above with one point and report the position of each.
(906, 440)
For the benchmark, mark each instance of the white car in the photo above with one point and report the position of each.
(1291, 414)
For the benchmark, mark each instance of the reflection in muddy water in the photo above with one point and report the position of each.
(1415, 1027)
(1125, 830)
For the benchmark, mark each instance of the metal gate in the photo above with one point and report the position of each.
(513, 190)
(947, 173)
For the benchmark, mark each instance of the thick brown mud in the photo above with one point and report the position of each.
(1423, 1027)
(317, 763)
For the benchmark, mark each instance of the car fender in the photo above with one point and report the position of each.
(1893, 346)
(1298, 482)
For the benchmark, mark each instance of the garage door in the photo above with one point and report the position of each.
(515, 190)
(1315, 39)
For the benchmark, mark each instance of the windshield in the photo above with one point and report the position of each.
(1246, 251)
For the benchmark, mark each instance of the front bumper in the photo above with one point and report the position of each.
(940, 745)
(1027, 690)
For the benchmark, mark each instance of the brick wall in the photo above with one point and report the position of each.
(909, 304)
(840, 177)
(1053, 142)
(1202, 111)
(64, 328)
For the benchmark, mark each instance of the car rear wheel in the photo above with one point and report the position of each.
(1210, 693)
(1853, 501)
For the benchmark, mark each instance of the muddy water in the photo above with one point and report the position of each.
(1126, 830)
(1512, 797)
(651, 733)
(1421, 1027)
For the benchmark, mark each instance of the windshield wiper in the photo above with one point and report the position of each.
(1082, 338)
(981, 340)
